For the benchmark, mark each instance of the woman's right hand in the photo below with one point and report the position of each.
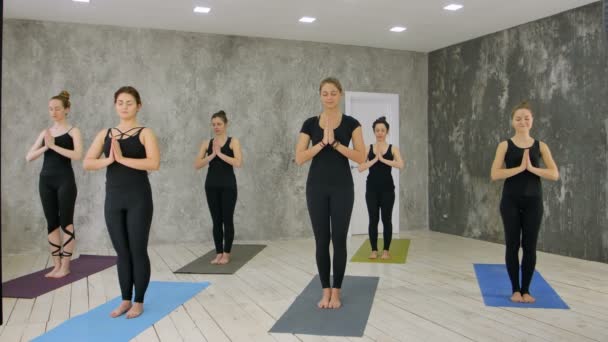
(524, 160)
(111, 159)
(217, 148)
(49, 140)
(326, 132)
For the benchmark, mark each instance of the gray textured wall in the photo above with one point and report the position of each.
(559, 63)
(267, 87)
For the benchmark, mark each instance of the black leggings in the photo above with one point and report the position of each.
(58, 196)
(221, 202)
(521, 217)
(128, 214)
(327, 204)
(376, 200)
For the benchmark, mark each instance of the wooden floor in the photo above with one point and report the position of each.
(433, 297)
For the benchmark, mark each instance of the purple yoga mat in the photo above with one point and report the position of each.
(35, 284)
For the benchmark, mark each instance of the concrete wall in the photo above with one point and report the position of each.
(267, 87)
(561, 65)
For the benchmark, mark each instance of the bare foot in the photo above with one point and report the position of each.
(385, 255)
(217, 259)
(225, 259)
(53, 271)
(526, 298)
(136, 310)
(334, 302)
(516, 297)
(374, 255)
(324, 302)
(62, 272)
(124, 306)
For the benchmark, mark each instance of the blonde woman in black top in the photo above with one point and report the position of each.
(329, 188)
(517, 161)
(60, 144)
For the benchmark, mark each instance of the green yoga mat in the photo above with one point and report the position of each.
(398, 252)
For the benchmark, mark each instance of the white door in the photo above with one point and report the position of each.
(367, 107)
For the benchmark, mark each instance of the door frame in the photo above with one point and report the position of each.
(394, 137)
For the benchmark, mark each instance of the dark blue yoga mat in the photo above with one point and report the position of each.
(97, 325)
(495, 288)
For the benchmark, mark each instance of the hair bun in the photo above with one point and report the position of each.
(220, 114)
(64, 93)
(382, 118)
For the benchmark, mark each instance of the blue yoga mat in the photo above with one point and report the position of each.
(495, 288)
(97, 325)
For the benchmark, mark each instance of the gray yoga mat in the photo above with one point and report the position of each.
(304, 317)
(239, 256)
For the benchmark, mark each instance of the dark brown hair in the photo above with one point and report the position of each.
(522, 105)
(64, 97)
(381, 120)
(222, 115)
(331, 80)
(128, 90)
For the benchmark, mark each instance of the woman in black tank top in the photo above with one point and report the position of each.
(380, 188)
(521, 207)
(60, 144)
(222, 154)
(329, 188)
(129, 152)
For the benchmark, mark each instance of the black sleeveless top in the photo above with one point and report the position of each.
(118, 175)
(220, 173)
(54, 163)
(379, 177)
(525, 183)
(329, 167)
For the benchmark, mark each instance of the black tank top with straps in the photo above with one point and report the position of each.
(54, 163)
(379, 177)
(525, 183)
(220, 173)
(118, 175)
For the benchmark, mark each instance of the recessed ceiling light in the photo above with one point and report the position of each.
(453, 7)
(199, 9)
(398, 29)
(307, 19)
(87, 1)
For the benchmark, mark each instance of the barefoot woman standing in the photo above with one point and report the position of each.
(330, 192)
(521, 206)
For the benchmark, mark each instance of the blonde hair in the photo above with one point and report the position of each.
(331, 80)
(522, 105)
(64, 97)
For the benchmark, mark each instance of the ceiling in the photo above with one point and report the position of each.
(352, 22)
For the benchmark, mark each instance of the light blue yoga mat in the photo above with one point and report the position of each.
(97, 325)
(495, 288)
